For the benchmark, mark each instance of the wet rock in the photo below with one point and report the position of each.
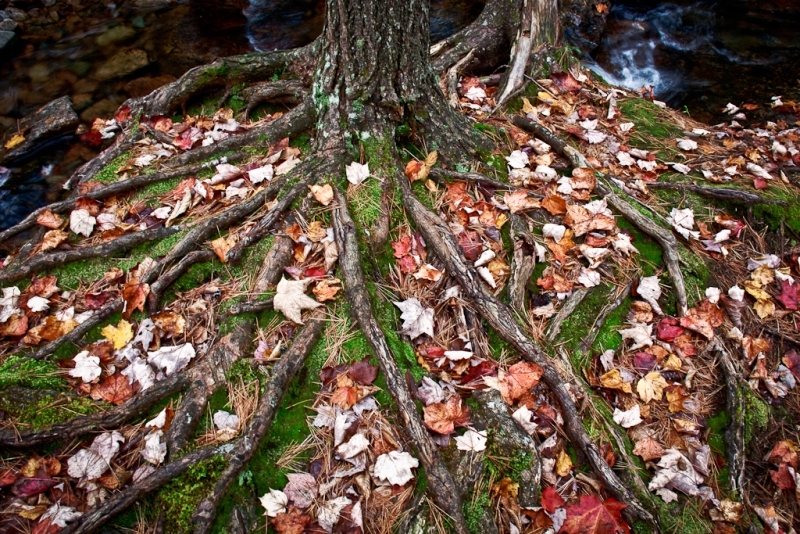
(583, 25)
(511, 441)
(81, 101)
(99, 110)
(9, 25)
(39, 73)
(144, 86)
(16, 14)
(53, 119)
(121, 64)
(8, 41)
(115, 35)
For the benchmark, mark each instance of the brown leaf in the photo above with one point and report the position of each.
(648, 449)
(53, 238)
(590, 515)
(519, 380)
(222, 245)
(470, 244)
(15, 326)
(323, 193)
(785, 452)
(519, 200)
(555, 204)
(135, 296)
(445, 417)
(114, 389)
(326, 289)
(703, 318)
(613, 380)
(48, 219)
(363, 372)
(783, 478)
(292, 521)
(170, 322)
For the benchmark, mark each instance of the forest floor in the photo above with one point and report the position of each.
(697, 409)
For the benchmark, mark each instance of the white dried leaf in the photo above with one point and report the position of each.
(625, 159)
(356, 445)
(640, 334)
(475, 93)
(356, 172)
(144, 334)
(595, 138)
(328, 512)
(417, 320)
(517, 159)
(326, 417)
(623, 244)
(681, 168)
(342, 421)
(485, 257)
(172, 359)
(225, 171)
(81, 222)
(546, 173)
(60, 515)
(154, 451)
(291, 300)
(687, 144)
(607, 360)
(589, 277)
(456, 355)
(140, 371)
(588, 125)
(471, 441)
(486, 274)
(646, 165)
(524, 417)
(107, 444)
(38, 304)
(736, 293)
(682, 218)
(107, 221)
(758, 170)
(626, 127)
(226, 421)
(86, 463)
(650, 290)
(395, 467)
(628, 418)
(713, 294)
(554, 231)
(10, 296)
(274, 502)
(301, 489)
(260, 174)
(430, 392)
(158, 421)
(87, 367)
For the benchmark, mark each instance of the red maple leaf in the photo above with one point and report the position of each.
(590, 515)
(788, 296)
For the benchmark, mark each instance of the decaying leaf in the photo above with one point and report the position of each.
(417, 320)
(395, 467)
(291, 300)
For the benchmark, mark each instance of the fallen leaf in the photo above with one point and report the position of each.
(417, 320)
(274, 502)
(323, 193)
(356, 172)
(119, 335)
(86, 463)
(81, 222)
(788, 295)
(651, 387)
(395, 467)
(563, 464)
(134, 295)
(59, 515)
(172, 358)
(114, 389)
(519, 380)
(301, 489)
(292, 521)
(87, 367)
(291, 300)
(640, 334)
(444, 417)
(551, 499)
(328, 512)
(326, 290)
(48, 219)
(107, 444)
(628, 418)
(471, 440)
(590, 515)
(15, 140)
(648, 449)
(613, 380)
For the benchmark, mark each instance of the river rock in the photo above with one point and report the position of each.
(8, 40)
(53, 119)
(16, 14)
(103, 109)
(145, 86)
(121, 64)
(8, 25)
(115, 35)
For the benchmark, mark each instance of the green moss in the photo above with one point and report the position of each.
(21, 371)
(775, 215)
(756, 414)
(180, 498)
(577, 325)
(682, 517)
(608, 337)
(52, 410)
(108, 174)
(151, 193)
(474, 510)
(716, 431)
(651, 126)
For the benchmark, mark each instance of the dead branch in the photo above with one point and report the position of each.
(569, 307)
(168, 278)
(734, 435)
(440, 481)
(499, 316)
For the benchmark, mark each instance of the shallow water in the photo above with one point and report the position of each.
(701, 55)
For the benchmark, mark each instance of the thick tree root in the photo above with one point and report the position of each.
(522, 265)
(443, 176)
(286, 91)
(665, 238)
(268, 404)
(588, 341)
(89, 170)
(228, 70)
(734, 435)
(168, 278)
(117, 188)
(719, 193)
(441, 241)
(41, 262)
(440, 481)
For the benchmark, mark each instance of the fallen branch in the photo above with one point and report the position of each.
(442, 242)
(440, 481)
(569, 307)
(522, 265)
(268, 404)
(663, 237)
(734, 435)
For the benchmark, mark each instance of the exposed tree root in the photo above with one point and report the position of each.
(444, 175)
(440, 481)
(285, 91)
(720, 193)
(268, 404)
(441, 241)
(607, 310)
(662, 236)
(41, 262)
(734, 435)
(522, 265)
(88, 170)
(229, 70)
(168, 278)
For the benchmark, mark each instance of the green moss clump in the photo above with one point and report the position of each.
(756, 414)
(651, 125)
(21, 371)
(474, 511)
(108, 174)
(53, 410)
(180, 498)
(774, 214)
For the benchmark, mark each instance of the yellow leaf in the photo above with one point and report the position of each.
(119, 335)
(547, 98)
(673, 363)
(323, 193)
(763, 275)
(756, 290)
(527, 107)
(651, 387)
(613, 380)
(563, 464)
(16, 139)
(764, 308)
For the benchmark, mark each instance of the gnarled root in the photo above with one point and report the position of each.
(440, 240)
(440, 481)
